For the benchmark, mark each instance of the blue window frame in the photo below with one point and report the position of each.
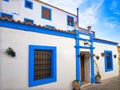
(108, 60)
(28, 21)
(70, 21)
(39, 51)
(28, 4)
(49, 26)
(6, 0)
(5, 15)
(46, 13)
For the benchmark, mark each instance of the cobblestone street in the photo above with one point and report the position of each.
(109, 84)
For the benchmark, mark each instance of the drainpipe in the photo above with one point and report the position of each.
(77, 17)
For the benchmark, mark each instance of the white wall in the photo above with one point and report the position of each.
(59, 17)
(14, 71)
(99, 48)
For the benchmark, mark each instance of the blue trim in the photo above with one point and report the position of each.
(83, 39)
(50, 10)
(15, 13)
(29, 20)
(87, 34)
(49, 26)
(110, 60)
(77, 58)
(6, 0)
(31, 4)
(77, 46)
(6, 14)
(53, 77)
(72, 24)
(35, 29)
(105, 42)
(86, 47)
(92, 59)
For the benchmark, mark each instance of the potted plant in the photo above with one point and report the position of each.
(10, 52)
(98, 77)
(86, 42)
(76, 85)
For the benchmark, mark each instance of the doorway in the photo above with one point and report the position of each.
(85, 66)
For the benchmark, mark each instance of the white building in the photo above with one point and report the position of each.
(49, 50)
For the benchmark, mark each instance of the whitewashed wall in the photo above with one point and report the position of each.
(17, 8)
(14, 71)
(99, 48)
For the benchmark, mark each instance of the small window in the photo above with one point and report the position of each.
(6, 0)
(50, 27)
(28, 4)
(108, 61)
(70, 21)
(42, 65)
(7, 16)
(28, 21)
(46, 13)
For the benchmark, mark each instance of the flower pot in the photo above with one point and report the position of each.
(102, 54)
(76, 85)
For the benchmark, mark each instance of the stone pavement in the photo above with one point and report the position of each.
(109, 84)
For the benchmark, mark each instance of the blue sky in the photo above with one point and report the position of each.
(102, 15)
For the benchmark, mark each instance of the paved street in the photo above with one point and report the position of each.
(109, 84)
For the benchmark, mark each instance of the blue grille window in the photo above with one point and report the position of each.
(108, 61)
(28, 21)
(70, 21)
(7, 16)
(46, 13)
(28, 4)
(42, 65)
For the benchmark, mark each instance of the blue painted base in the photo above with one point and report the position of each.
(81, 83)
(92, 80)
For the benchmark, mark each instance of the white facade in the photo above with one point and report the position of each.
(19, 11)
(14, 71)
(101, 63)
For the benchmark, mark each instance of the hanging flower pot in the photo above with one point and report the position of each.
(102, 54)
(115, 55)
(10, 52)
(97, 57)
(86, 42)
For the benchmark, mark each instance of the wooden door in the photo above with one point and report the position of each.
(82, 68)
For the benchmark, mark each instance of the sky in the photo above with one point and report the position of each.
(102, 15)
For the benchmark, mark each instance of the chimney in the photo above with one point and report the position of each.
(89, 29)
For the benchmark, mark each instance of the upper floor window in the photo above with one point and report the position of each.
(42, 65)
(70, 21)
(108, 61)
(28, 4)
(46, 13)
(7, 16)
(28, 21)
(6, 0)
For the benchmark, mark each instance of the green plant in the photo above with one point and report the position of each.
(98, 75)
(10, 52)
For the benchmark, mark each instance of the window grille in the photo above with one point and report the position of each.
(42, 64)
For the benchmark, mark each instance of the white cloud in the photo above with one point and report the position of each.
(89, 16)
